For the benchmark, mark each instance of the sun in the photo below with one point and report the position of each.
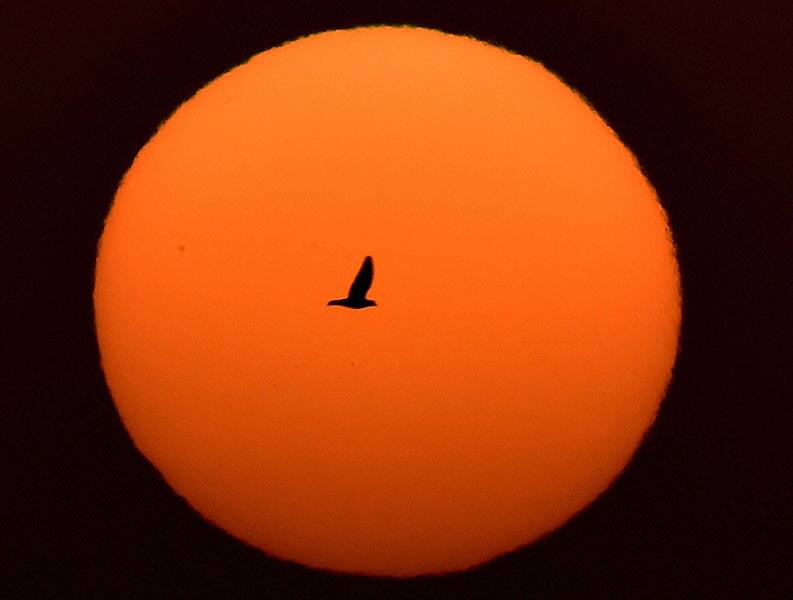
(527, 301)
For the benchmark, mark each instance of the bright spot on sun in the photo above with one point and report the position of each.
(527, 290)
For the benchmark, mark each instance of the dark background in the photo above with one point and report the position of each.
(698, 91)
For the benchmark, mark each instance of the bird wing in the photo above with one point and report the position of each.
(363, 280)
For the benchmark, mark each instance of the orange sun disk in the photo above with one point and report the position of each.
(528, 302)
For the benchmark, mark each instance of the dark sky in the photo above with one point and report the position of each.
(698, 91)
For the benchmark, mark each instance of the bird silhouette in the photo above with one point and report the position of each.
(356, 297)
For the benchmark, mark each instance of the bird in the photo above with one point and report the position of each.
(356, 297)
